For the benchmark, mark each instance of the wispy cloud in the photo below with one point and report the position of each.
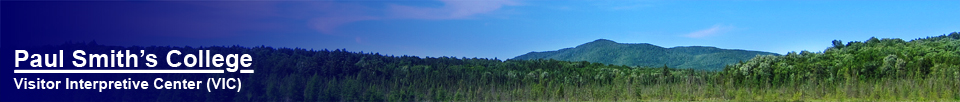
(623, 4)
(327, 16)
(327, 25)
(452, 9)
(338, 14)
(324, 17)
(712, 31)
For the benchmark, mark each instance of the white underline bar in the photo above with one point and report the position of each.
(246, 71)
(120, 71)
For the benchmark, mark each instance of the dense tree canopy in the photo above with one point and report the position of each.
(874, 59)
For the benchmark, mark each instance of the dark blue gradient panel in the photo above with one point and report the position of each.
(97, 27)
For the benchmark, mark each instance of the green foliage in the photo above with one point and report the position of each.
(837, 44)
(932, 57)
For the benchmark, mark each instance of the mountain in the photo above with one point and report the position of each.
(644, 54)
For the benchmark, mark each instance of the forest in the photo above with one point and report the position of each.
(887, 69)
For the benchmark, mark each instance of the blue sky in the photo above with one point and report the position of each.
(497, 28)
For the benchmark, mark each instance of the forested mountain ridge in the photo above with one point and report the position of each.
(644, 54)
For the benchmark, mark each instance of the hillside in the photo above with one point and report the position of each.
(643, 54)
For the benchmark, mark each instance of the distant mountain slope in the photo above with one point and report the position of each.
(643, 54)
